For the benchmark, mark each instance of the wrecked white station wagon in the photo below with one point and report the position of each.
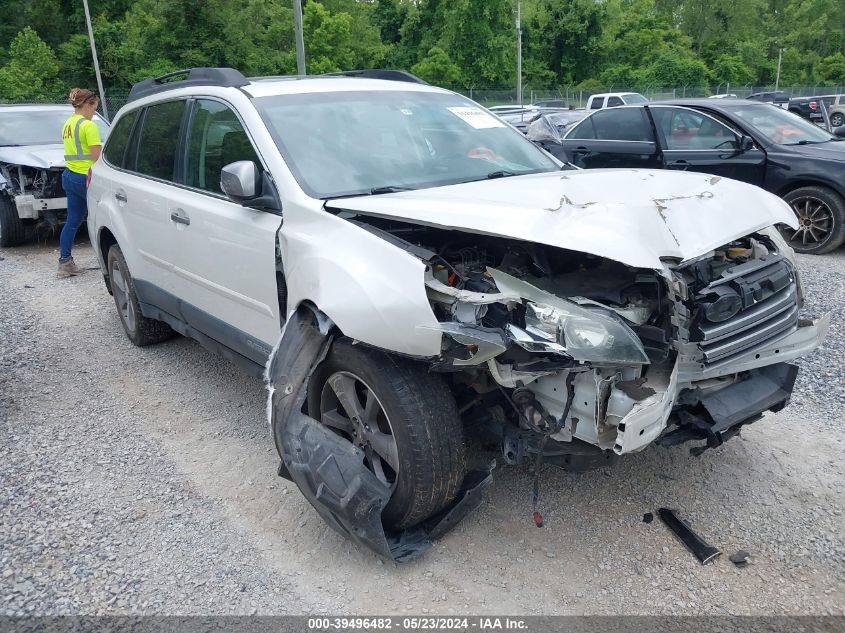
(430, 271)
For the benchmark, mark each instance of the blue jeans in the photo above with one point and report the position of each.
(77, 210)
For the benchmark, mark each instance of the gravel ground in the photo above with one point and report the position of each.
(144, 481)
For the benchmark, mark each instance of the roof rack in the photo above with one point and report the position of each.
(379, 73)
(227, 77)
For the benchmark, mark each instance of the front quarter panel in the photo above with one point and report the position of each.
(373, 291)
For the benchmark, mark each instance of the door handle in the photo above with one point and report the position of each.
(120, 197)
(180, 217)
(681, 164)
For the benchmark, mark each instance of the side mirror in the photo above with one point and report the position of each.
(239, 181)
(243, 182)
(746, 143)
(840, 131)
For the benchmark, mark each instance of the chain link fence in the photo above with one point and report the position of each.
(578, 98)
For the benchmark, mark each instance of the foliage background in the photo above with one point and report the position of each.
(469, 44)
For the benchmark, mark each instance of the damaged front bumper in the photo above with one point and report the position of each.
(688, 403)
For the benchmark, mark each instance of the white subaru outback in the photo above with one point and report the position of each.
(402, 266)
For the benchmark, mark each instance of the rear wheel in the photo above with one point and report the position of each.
(402, 417)
(12, 229)
(837, 119)
(821, 218)
(139, 329)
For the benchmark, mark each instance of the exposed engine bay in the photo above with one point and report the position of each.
(36, 192)
(584, 358)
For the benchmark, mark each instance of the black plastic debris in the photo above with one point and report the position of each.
(741, 558)
(648, 517)
(331, 474)
(703, 551)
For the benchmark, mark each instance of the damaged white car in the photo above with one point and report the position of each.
(31, 165)
(430, 270)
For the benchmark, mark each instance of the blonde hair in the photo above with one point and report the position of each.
(78, 97)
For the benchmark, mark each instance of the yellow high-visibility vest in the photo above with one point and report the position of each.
(78, 135)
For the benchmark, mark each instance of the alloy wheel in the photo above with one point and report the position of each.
(815, 219)
(353, 410)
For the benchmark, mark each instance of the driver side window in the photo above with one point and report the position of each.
(687, 129)
(216, 138)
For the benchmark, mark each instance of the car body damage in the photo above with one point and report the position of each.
(32, 178)
(608, 276)
(578, 315)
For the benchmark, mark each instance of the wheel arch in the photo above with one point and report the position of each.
(105, 240)
(811, 181)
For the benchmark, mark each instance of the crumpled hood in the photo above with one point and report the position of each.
(632, 216)
(40, 156)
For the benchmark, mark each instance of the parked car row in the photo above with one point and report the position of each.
(753, 142)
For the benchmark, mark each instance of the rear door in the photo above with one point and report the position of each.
(696, 141)
(224, 254)
(141, 194)
(613, 137)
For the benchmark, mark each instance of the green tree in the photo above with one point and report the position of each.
(729, 68)
(31, 72)
(831, 69)
(437, 68)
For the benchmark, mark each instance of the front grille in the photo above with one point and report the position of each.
(769, 299)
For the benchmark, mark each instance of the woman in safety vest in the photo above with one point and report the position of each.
(82, 147)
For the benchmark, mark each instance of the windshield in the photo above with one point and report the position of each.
(38, 127)
(349, 143)
(634, 98)
(781, 127)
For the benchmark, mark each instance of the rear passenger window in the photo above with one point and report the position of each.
(584, 130)
(623, 124)
(216, 138)
(158, 141)
(118, 139)
(596, 104)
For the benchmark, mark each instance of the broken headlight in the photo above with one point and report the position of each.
(585, 334)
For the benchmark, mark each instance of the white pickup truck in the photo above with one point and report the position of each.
(612, 99)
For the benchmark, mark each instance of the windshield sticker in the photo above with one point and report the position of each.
(476, 117)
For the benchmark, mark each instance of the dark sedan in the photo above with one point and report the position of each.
(750, 141)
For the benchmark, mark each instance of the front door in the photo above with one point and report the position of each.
(696, 141)
(224, 254)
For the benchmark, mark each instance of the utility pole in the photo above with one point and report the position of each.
(96, 62)
(300, 39)
(519, 52)
(777, 78)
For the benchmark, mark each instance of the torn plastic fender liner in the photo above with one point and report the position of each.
(330, 470)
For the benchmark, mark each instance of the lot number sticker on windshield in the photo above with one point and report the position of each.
(476, 117)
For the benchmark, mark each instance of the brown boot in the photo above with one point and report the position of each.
(69, 268)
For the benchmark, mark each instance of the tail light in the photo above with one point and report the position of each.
(813, 105)
(88, 178)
